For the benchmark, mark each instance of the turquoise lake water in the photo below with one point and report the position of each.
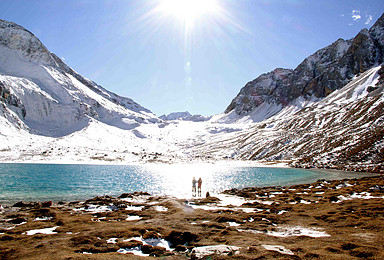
(61, 182)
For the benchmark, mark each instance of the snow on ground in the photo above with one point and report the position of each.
(51, 114)
(363, 195)
(99, 143)
(277, 248)
(42, 219)
(200, 252)
(133, 218)
(46, 231)
(228, 202)
(161, 208)
(289, 231)
(305, 127)
(84, 123)
(134, 208)
(149, 241)
(97, 208)
(297, 231)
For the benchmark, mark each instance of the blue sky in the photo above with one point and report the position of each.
(141, 51)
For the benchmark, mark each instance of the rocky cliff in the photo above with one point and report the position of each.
(316, 77)
(342, 131)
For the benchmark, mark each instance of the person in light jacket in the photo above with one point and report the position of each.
(194, 186)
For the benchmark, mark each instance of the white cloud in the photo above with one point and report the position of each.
(356, 15)
(369, 19)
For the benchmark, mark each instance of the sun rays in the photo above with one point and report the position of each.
(187, 30)
(189, 11)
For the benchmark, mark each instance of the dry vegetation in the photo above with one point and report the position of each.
(355, 226)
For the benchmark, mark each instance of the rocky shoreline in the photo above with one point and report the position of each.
(339, 219)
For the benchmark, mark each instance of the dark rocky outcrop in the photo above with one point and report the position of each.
(13, 101)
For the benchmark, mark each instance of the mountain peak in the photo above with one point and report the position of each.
(51, 98)
(16, 37)
(379, 22)
(323, 72)
(11, 25)
(184, 116)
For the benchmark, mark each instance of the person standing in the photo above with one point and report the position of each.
(194, 186)
(199, 182)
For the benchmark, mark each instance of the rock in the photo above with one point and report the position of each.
(371, 88)
(181, 248)
(47, 204)
(7, 238)
(22, 204)
(44, 211)
(181, 238)
(333, 198)
(136, 193)
(348, 246)
(18, 221)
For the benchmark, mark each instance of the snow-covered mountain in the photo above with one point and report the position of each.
(185, 116)
(344, 130)
(328, 112)
(316, 77)
(41, 94)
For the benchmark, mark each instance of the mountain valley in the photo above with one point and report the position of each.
(326, 113)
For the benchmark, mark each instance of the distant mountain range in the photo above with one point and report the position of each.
(328, 112)
(186, 116)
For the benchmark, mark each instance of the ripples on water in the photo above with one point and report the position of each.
(58, 182)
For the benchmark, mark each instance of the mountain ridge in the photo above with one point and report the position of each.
(185, 116)
(49, 97)
(323, 72)
(343, 131)
(326, 113)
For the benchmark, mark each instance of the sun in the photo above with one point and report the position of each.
(188, 11)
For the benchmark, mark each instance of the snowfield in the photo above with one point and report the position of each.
(50, 113)
(291, 132)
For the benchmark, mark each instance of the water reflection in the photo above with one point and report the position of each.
(78, 182)
(176, 179)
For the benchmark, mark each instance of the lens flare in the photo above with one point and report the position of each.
(188, 10)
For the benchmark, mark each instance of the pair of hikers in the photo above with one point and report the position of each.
(198, 182)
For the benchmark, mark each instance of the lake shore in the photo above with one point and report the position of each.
(236, 163)
(69, 182)
(328, 219)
